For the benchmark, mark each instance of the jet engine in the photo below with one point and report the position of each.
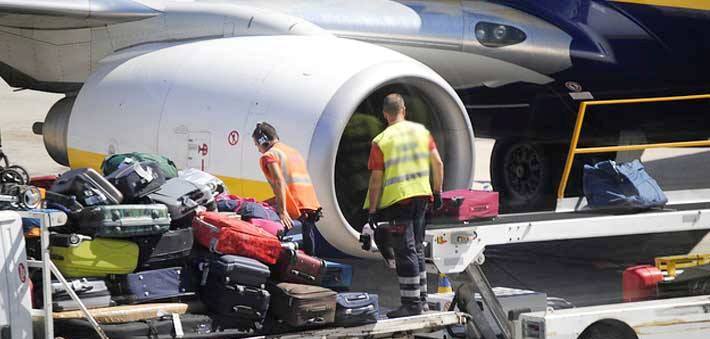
(198, 102)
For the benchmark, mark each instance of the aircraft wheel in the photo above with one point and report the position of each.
(525, 174)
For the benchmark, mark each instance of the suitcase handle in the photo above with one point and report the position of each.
(303, 275)
(360, 310)
(359, 297)
(241, 309)
(315, 320)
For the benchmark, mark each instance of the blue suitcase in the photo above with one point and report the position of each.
(338, 277)
(148, 286)
(354, 309)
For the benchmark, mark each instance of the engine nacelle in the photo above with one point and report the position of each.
(198, 103)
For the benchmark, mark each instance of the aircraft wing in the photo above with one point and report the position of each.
(68, 14)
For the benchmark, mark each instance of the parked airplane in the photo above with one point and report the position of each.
(190, 79)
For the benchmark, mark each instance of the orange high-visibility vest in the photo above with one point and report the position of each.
(300, 194)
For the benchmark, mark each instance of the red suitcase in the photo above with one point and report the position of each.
(299, 268)
(226, 235)
(465, 205)
(640, 282)
(273, 227)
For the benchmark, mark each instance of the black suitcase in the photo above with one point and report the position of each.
(353, 309)
(122, 221)
(147, 286)
(244, 303)
(89, 187)
(302, 305)
(182, 197)
(234, 269)
(137, 180)
(92, 292)
(192, 325)
(166, 250)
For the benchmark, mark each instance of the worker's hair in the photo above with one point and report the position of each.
(393, 103)
(264, 133)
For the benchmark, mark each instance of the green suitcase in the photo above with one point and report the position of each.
(112, 162)
(122, 221)
(78, 256)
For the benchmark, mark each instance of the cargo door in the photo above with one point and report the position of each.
(198, 150)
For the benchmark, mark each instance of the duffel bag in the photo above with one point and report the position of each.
(625, 186)
(113, 162)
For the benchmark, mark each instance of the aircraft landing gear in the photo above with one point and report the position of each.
(526, 174)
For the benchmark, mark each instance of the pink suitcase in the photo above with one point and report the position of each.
(465, 205)
(273, 227)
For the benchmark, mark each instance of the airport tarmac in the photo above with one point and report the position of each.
(549, 268)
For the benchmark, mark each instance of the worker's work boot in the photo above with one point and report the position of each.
(405, 310)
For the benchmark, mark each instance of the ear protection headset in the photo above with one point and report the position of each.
(261, 137)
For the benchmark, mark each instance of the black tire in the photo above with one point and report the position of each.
(526, 174)
(604, 330)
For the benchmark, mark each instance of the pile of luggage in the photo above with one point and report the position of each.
(147, 247)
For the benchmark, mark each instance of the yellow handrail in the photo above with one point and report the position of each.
(573, 150)
(671, 264)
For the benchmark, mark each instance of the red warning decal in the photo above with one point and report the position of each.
(22, 272)
(233, 138)
(203, 149)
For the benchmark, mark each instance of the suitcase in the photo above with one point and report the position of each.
(338, 277)
(233, 269)
(78, 256)
(44, 181)
(166, 250)
(182, 197)
(302, 305)
(299, 268)
(114, 162)
(245, 303)
(353, 309)
(65, 203)
(463, 204)
(125, 313)
(273, 227)
(89, 187)
(163, 327)
(147, 286)
(137, 180)
(123, 221)
(203, 178)
(92, 292)
(225, 235)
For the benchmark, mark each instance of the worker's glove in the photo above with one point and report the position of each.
(372, 220)
(367, 239)
(438, 203)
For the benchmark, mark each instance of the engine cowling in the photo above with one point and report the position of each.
(198, 103)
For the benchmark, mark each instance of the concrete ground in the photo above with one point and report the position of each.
(546, 268)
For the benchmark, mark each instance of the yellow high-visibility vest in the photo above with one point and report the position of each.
(405, 146)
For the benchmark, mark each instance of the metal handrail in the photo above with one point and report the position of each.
(574, 150)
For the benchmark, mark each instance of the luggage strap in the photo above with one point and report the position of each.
(177, 326)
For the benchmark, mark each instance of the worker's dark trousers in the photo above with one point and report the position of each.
(408, 222)
(308, 219)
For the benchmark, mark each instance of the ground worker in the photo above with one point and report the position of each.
(400, 192)
(286, 172)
